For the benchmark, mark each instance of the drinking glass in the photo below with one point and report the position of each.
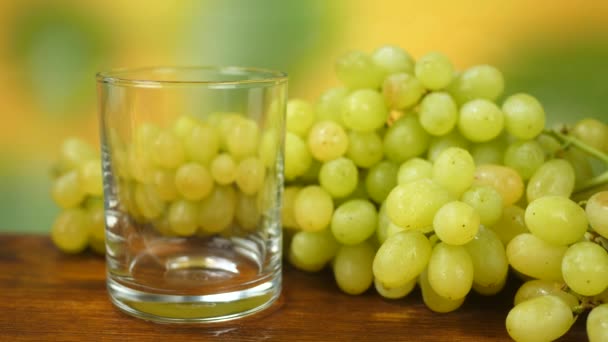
(193, 176)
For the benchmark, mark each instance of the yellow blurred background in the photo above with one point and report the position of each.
(49, 51)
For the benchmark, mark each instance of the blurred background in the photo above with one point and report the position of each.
(556, 50)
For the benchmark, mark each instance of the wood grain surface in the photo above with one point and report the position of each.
(49, 296)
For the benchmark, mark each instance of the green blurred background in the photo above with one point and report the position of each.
(50, 50)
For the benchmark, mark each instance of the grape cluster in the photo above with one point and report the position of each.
(413, 174)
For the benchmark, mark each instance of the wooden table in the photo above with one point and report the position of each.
(48, 296)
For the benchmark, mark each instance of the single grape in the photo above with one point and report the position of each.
(202, 143)
(168, 151)
(553, 178)
(250, 175)
(438, 113)
(269, 148)
(537, 288)
(585, 268)
(327, 141)
(183, 126)
(89, 174)
(70, 231)
(394, 292)
(300, 116)
(543, 318)
(311, 251)
(364, 111)
(140, 166)
(380, 180)
(193, 181)
(241, 137)
(480, 120)
(353, 268)
(224, 169)
(434, 301)
(405, 139)
(148, 201)
(313, 208)
(287, 208)
(402, 90)
(525, 157)
(592, 132)
(434, 70)
(504, 179)
(438, 144)
(74, 152)
(597, 212)
(329, 105)
(450, 271)
(357, 70)
(164, 183)
(597, 323)
(456, 223)
(383, 223)
(557, 220)
(477, 82)
(354, 222)
(67, 190)
(218, 209)
(524, 116)
(392, 59)
(454, 170)
(339, 177)
(365, 149)
(490, 290)
(486, 201)
(511, 224)
(183, 217)
(297, 156)
(414, 205)
(489, 152)
(536, 258)
(490, 265)
(401, 258)
(247, 213)
(414, 169)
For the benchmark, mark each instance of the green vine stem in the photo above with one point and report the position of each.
(570, 140)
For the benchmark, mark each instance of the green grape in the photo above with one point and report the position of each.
(413, 205)
(242, 136)
(486, 201)
(405, 139)
(218, 209)
(434, 301)
(70, 231)
(550, 145)
(401, 258)
(311, 251)
(502, 178)
(557, 220)
(402, 90)
(357, 70)
(364, 149)
(593, 133)
(313, 208)
(202, 143)
(454, 170)
(597, 212)
(490, 290)
(183, 217)
(394, 292)
(477, 82)
(269, 148)
(525, 157)
(383, 223)
(553, 178)
(148, 202)
(393, 229)
(510, 224)
(450, 271)
(524, 116)
(354, 222)
(74, 152)
(297, 156)
(288, 217)
(329, 105)
(327, 141)
(438, 113)
(67, 190)
(414, 169)
(364, 111)
(380, 180)
(247, 213)
(583, 170)
(438, 144)
(164, 184)
(538, 288)
(89, 174)
(339, 177)
(223, 122)
(182, 127)
(536, 258)
(434, 70)
(392, 59)
(250, 175)
(489, 152)
(139, 165)
(223, 169)
(585, 268)
(311, 176)
(353, 268)
(480, 120)
(597, 323)
(490, 265)
(193, 181)
(543, 318)
(456, 223)
(167, 150)
(299, 117)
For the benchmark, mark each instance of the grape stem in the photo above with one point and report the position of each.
(570, 140)
(593, 182)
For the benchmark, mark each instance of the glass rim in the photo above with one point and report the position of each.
(120, 76)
